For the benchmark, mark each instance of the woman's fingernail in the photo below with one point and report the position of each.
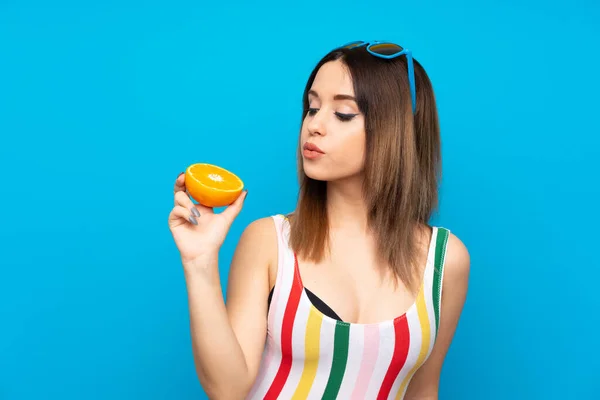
(193, 220)
(195, 212)
(246, 196)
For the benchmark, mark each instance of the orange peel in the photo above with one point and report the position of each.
(211, 185)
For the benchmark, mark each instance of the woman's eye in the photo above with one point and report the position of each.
(341, 116)
(345, 117)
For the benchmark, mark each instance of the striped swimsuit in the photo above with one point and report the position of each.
(310, 355)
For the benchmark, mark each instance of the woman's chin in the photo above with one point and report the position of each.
(324, 175)
(317, 174)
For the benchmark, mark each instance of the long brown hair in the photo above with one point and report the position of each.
(402, 164)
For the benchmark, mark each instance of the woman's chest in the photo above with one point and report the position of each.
(357, 287)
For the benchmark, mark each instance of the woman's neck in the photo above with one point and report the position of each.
(346, 207)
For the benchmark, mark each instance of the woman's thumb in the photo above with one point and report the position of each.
(232, 211)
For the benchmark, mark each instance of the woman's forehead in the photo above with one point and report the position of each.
(333, 78)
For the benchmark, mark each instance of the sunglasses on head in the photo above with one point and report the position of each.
(389, 50)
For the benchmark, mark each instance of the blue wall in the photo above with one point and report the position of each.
(101, 106)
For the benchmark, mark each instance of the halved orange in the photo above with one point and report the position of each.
(212, 186)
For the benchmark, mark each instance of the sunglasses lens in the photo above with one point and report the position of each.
(386, 49)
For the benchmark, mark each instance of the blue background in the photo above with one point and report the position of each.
(102, 105)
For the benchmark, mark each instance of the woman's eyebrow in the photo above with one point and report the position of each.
(336, 97)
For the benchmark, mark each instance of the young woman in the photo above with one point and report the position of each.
(343, 297)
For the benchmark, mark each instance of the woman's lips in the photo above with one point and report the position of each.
(312, 151)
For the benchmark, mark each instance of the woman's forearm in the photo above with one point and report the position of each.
(220, 362)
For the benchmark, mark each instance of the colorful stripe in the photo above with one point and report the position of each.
(440, 252)
(286, 341)
(356, 340)
(425, 337)
(340, 357)
(369, 359)
(402, 342)
(326, 346)
(299, 346)
(309, 355)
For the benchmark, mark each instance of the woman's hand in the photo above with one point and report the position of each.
(199, 232)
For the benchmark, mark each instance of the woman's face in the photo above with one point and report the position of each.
(334, 125)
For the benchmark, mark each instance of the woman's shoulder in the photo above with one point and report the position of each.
(262, 232)
(266, 224)
(261, 228)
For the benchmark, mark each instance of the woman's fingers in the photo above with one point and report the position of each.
(180, 183)
(182, 199)
(182, 213)
(232, 211)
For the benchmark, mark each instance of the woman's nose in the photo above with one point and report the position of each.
(316, 125)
